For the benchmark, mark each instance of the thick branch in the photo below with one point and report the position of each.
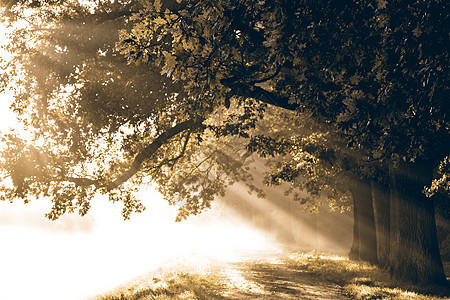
(277, 71)
(81, 181)
(262, 95)
(148, 151)
(173, 160)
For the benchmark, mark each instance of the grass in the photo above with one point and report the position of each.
(358, 281)
(361, 280)
(169, 285)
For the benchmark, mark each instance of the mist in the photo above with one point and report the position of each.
(76, 257)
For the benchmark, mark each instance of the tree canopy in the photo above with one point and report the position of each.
(374, 70)
(372, 74)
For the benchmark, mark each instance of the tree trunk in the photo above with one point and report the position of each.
(381, 212)
(365, 242)
(354, 250)
(414, 253)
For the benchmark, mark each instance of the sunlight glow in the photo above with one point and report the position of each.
(7, 118)
(77, 257)
(3, 39)
(304, 227)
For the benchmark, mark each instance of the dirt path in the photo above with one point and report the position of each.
(276, 280)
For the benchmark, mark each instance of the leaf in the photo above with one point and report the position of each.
(417, 32)
(159, 21)
(355, 79)
(169, 63)
(157, 4)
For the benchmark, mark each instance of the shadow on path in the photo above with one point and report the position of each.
(277, 281)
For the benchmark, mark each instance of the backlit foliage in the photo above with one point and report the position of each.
(87, 113)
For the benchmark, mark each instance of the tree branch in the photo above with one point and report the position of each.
(277, 71)
(150, 150)
(262, 95)
(81, 181)
(172, 160)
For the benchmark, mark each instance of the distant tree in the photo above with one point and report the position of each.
(320, 164)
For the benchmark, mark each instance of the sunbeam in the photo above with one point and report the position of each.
(287, 222)
(76, 257)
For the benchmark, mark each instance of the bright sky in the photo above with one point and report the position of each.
(77, 257)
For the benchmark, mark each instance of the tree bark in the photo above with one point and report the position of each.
(381, 212)
(365, 242)
(414, 253)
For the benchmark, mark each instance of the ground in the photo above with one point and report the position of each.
(277, 280)
(276, 276)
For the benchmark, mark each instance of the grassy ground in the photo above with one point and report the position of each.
(361, 280)
(294, 276)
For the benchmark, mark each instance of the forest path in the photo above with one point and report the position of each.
(275, 279)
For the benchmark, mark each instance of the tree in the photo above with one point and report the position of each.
(371, 72)
(381, 211)
(319, 166)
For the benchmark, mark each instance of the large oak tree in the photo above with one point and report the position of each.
(370, 72)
